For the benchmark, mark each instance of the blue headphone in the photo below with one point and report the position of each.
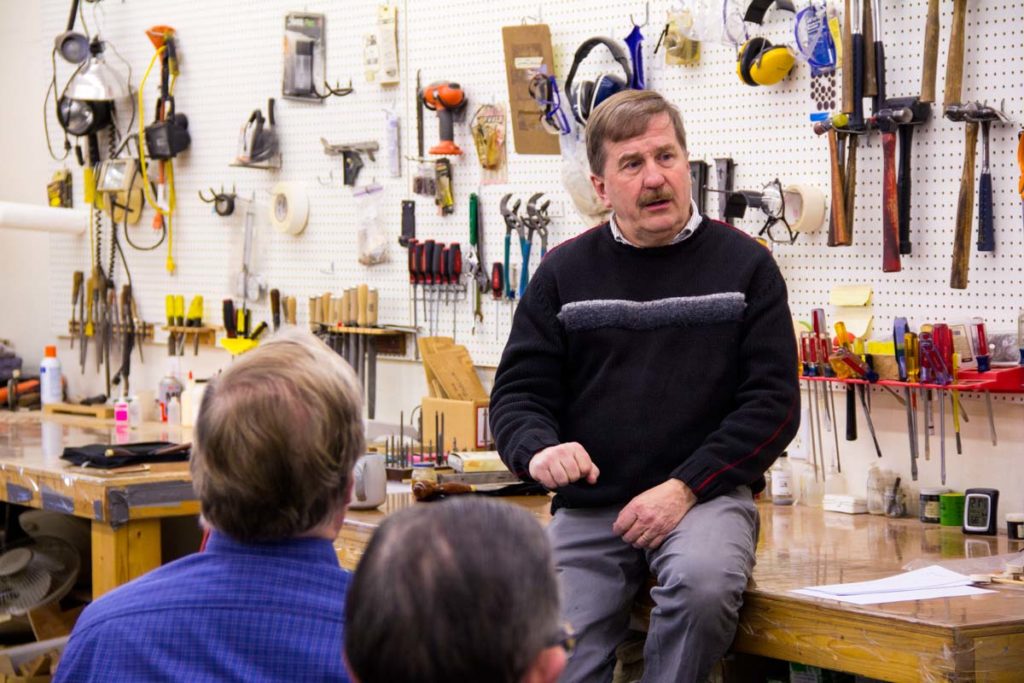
(586, 95)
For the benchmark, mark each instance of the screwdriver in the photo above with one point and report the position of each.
(76, 290)
(413, 279)
(426, 262)
(454, 273)
(497, 288)
(912, 353)
(179, 320)
(956, 406)
(435, 276)
(169, 311)
(851, 389)
(195, 320)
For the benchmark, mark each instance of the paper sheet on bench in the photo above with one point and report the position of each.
(921, 584)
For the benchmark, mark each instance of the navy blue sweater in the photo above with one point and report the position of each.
(675, 361)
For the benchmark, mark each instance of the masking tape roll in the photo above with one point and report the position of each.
(805, 207)
(289, 208)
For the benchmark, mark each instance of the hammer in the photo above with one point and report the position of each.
(905, 112)
(985, 115)
(965, 200)
(839, 230)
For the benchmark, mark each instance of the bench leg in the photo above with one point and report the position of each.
(122, 554)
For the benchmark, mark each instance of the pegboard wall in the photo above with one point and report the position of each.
(231, 63)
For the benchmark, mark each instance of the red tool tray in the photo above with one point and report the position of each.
(996, 380)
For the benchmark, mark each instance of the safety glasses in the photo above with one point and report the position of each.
(774, 206)
(544, 91)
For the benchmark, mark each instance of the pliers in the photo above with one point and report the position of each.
(514, 222)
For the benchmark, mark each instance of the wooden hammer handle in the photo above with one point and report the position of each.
(890, 207)
(838, 229)
(850, 187)
(931, 52)
(955, 57)
(964, 211)
(847, 59)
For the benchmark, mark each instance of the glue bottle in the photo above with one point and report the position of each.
(51, 388)
(782, 481)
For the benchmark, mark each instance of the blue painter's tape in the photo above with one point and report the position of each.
(18, 494)
(57, 502)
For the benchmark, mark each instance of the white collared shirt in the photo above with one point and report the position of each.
(688, 229)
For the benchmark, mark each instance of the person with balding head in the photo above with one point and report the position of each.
(277, 436)
(462, 590)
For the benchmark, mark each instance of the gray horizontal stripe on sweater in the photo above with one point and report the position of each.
(680, 311)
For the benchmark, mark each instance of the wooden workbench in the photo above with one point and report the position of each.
(124, 509)
(953, 639)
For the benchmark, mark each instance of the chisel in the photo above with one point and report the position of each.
(851, 389)
(275, 308)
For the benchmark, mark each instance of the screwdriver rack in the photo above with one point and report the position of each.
(997, 380)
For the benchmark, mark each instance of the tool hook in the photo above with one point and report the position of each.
(647, 16)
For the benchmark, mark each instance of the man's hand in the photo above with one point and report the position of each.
(560, 465)
(649, 517)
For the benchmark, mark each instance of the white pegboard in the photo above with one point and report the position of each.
(231, 64)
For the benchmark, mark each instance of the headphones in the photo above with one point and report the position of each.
(761, 63)
(586, 95)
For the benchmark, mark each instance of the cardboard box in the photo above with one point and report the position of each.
(465, 423)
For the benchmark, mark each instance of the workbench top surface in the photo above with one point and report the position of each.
(802, 546)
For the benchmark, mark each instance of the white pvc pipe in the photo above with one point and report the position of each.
(43, 218)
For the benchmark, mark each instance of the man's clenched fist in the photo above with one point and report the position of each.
(560, 465)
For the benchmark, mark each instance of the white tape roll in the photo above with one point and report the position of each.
(805, 208)
(289, 208)
(43, 218)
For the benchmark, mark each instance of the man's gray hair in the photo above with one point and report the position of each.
(277, 436)
(462, 590)
(625, 115)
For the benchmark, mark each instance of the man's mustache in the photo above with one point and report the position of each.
(653, 197)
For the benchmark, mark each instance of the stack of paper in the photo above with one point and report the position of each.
(921, 584)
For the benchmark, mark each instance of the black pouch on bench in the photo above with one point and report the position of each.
(110, 456)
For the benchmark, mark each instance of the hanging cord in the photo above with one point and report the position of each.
(52, 88)
(169, 167)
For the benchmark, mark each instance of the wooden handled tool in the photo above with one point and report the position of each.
(290, 306)
(955, 56)
(275, 307)
(964, 211)
(362, 296)
(931, 52)
(837, 226)
(870, 73)
(850, 185)
(890, 206)
(847, 58)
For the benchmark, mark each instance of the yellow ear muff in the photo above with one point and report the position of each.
(748, 53)
(772, 65)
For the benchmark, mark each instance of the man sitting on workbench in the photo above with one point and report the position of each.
(463, 590)
(649, 380)
(276, 439)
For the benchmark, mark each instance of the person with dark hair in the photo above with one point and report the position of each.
(276, 439)
(461, 590)
(650, 379)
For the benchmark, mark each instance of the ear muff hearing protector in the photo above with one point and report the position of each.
(586, 95)
(761, 63)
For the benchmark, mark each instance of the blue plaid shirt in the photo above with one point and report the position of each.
(237, 612)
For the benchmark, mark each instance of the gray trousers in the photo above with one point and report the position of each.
(702, 568)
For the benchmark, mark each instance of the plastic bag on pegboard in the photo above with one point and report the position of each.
(372, 237)
(576, 179)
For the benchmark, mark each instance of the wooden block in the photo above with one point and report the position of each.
(465, 422)
(454, 371)
(103, 412)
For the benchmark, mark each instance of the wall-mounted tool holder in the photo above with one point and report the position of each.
(207, 334)
(143, 331)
